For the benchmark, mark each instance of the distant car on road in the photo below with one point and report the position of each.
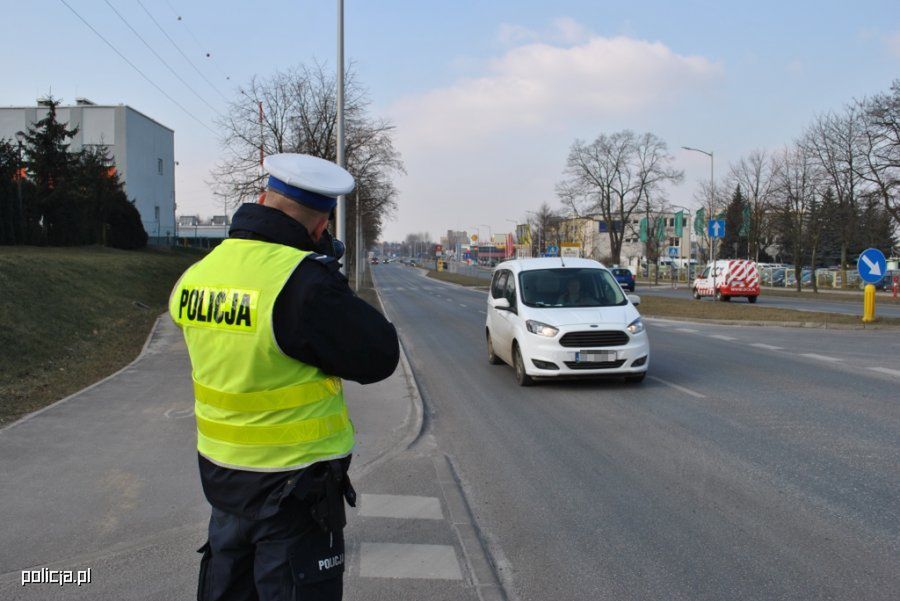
(624, 277)
(552, 318)
(728, 278)
(374, 260)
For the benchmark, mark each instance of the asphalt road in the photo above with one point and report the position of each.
(809, 303)
(754, 463)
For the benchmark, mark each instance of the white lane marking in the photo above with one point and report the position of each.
(462, 305)
(678, 388)
(686, 330)
(819, 357)
(768, 347)
(400, 506)
(483, 312)
(448, 299)
(721, 337)
(399, 288)
(394, 560)
(886, 370)
(659, 324)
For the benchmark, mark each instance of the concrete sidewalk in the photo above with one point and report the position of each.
(107, 478)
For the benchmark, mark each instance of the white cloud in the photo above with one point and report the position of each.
(495, 144)
(538, 85)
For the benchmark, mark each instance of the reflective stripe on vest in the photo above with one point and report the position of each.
(257, 409)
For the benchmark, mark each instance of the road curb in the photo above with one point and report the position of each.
(820, 325)
(134, 361)
(415, 418)
(481, 562)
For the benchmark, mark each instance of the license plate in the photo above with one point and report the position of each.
(594, 356)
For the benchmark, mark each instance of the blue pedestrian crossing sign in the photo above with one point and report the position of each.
(716, 228)
(871, 265)
(552, 250)
(673, 251)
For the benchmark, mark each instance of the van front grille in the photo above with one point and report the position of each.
(594, 339)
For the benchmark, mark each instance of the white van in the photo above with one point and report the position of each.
(728, 278)
(554, 317)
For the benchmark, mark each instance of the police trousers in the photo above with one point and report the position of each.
(297, 554)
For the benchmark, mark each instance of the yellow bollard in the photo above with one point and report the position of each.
(869, 304)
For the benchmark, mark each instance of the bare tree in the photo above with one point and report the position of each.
(613, 176)
(795, 189)
(299, 115)
(880, 147)
(833, 143)
(753, 174)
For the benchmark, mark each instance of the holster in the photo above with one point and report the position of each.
(327, 505)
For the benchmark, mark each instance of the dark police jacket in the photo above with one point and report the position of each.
(317, 319)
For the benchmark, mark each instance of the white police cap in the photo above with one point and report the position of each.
(309, 180)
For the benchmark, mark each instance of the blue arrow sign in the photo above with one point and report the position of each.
(716, 228)
(871, 265)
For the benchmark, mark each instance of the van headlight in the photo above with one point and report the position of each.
(636, 326)
(541, 329)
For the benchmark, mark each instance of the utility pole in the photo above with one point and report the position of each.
(340, 214)
(713, 246)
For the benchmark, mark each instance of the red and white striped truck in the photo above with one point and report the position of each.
(728, 278)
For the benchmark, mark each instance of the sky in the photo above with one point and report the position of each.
(486, 97)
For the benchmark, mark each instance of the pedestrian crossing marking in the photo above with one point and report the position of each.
(400, 506)
(401, 560)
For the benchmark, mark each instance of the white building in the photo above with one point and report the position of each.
(143, 151)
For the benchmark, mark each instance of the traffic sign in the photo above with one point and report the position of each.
(673, 251)
(552, 250)
(716, 228)
(871, 265)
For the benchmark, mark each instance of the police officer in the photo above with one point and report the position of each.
(272, 327)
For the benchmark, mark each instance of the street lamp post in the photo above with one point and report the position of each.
(20, 218)
(712, 207)
(340, 214)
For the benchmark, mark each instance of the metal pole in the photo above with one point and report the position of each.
(340, 215)
(712, 200)
(356, 244)
(19, 227)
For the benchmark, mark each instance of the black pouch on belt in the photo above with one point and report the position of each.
(327, 508)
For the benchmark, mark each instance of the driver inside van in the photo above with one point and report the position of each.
(574, 296)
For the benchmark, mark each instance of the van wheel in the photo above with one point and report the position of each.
(522, 378)
(635, 379)
(493, 359)
(751, 299)
(696, 294)
(718, 295)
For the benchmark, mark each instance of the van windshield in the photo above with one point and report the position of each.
(570, 287)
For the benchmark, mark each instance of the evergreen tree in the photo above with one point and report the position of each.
(734, 244)
(10, 220)
(50, 166)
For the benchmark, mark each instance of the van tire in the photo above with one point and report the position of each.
(522, 378)
(752, 299)
(719, 296)
(493, 359)
(696, 294)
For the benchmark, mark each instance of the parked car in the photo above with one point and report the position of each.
(624, 277)
(549, 319)
(726, 279)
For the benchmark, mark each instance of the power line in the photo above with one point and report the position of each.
(161, 59)
(178, 48)
(197, 41)
(141, 73)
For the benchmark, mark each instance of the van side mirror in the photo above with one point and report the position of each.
(501, 303)
(634, 299)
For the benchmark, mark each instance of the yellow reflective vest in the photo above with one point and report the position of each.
(256, 408)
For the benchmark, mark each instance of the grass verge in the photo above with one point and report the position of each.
(740, 310)
(73, 316)
(457, 278)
